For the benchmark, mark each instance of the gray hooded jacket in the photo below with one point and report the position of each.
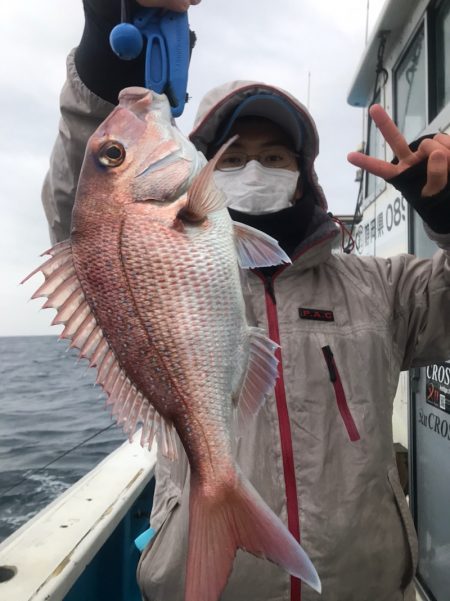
(320, 451)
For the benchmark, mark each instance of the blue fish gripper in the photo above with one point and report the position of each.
(165, 35)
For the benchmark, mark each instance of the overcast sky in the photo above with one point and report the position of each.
(237, 39)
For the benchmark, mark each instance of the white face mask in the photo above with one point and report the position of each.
(257, 189)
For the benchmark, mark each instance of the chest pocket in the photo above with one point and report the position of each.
(339, 393)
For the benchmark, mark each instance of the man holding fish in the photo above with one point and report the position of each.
(323, 336)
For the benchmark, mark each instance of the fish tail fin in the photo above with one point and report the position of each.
(236, 518)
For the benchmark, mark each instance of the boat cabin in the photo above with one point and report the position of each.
(406, 69)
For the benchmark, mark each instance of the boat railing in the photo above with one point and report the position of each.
(52, 553)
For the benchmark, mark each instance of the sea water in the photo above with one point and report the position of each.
(48, 406)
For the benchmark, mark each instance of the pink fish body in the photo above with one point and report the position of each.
(149, 290)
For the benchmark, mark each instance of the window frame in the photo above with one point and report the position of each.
(422, 24)
(434, 122)
(433, 111)
(379, 98)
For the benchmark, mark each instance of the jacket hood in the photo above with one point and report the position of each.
(218, 106)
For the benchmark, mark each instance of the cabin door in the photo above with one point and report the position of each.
(430, 459)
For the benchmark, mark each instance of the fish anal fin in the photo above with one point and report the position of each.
(217, 529)
(257, 249)
(259, 378)
(204, 196)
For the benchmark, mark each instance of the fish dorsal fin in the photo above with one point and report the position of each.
(259, 378)
(130, 407)
(257, 249)
(204, 196)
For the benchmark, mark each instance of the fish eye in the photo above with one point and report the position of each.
(111, 154)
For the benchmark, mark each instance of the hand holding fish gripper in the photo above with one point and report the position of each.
(166, 34)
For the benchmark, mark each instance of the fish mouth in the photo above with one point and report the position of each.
(136, 100)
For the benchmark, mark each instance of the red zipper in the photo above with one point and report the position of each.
(283, 413)
(340, 395)
(285, 435)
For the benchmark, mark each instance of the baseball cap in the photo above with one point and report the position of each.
(269, 107)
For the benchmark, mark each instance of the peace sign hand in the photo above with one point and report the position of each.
(436, 150)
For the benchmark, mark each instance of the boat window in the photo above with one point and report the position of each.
(410, 88)
(374, 185)
(440, 57)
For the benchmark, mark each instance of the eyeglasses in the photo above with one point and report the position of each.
(274, 157)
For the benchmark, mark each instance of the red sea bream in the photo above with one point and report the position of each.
(149, 290)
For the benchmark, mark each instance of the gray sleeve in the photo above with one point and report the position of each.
(422, 326)
(81, 113)
(412, 295)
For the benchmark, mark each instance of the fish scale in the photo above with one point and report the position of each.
(149, 290)
(190, 316)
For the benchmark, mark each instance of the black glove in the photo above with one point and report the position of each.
(99, 68)
(434, 210)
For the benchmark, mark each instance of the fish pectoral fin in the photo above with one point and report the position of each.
(257, 249)
(204, 196)
(259, 379)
